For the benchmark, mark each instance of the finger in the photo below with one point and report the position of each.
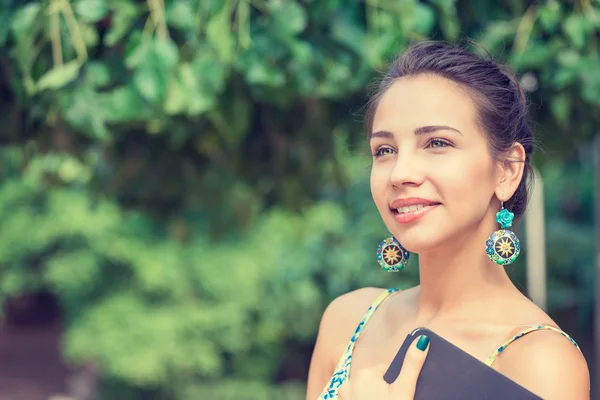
(406, 382)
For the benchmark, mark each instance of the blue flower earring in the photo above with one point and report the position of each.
(503, 246)
(391, 255)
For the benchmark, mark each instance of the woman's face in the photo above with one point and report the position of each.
(433, 177)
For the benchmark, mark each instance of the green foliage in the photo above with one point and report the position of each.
(157, 313)
(216, 81)
(187, 177)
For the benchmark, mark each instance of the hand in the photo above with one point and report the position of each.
(369, 384)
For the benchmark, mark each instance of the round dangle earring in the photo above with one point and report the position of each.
(391, 255)
(503, 246)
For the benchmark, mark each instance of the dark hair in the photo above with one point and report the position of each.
(500, 99)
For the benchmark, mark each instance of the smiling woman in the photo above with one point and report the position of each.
(451, 153)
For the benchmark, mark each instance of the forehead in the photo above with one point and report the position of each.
(415, 101)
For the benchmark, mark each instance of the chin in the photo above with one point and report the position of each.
(420, 238)
(419, 246)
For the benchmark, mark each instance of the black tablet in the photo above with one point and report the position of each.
(451, 373)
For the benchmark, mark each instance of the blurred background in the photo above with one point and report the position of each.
(184, 184)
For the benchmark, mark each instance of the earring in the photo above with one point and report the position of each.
(391, 255)
(503, 246)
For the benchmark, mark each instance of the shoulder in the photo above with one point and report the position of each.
(348, 309)
(338, 323)
(343, 314)
(548, 364)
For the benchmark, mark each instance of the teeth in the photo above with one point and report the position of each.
(410, 208)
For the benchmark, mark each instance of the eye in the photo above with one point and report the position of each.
(383, 151)
(437, 143)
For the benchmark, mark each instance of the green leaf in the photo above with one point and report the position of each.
(574, 27)
(177, 99)
(535, 56)
(563, 78)
(560, 105)
(550, 15)
(91, 10)
(593, 17)
(424, 19)
(97, 73)
(5, 18)
(72, 272)
(347, 33)
(288, 16)
(122, 19)
(450, 27)
(263, 74)
(569, 58)
(302, 51)
(446, 6)
(591, 83)
(150, 83)
(84, 109)
(24, 19)
(235, 110)
(210, 72)
(219, 33)
(180, 14)
(123, 104)
(154, 61)
(26, 33)
(185, 94)
(59, 76)
(90, 35)
(167, 52)
(139, 52)
(496, 33)
(14, 282)
(448, 19)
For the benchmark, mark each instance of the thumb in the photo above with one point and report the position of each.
(406, 383)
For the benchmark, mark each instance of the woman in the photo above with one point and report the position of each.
(451, 149)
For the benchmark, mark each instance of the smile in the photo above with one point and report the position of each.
(410, 213)
(404, 210)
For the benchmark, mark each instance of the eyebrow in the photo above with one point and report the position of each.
(423, 130)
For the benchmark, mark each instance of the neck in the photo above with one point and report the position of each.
(458, 277)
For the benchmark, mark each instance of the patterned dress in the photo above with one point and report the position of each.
(342, 370)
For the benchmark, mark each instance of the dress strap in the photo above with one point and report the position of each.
(490, 360)
(369, 313)
(342, 370)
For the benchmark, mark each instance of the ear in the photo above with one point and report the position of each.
(510, 171)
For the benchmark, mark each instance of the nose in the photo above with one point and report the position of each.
(407, 171)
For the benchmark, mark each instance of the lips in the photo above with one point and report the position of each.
(412, 202)
(411, 209)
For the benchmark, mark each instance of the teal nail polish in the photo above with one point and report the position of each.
(422, 343)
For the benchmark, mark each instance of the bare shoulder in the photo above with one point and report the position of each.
(342, 316)
(548, 364)
(348, 309)
(338, 323)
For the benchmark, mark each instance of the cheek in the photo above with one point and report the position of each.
(379, 184)
(468, 182)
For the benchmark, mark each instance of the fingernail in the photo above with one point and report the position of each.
(422, 343)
